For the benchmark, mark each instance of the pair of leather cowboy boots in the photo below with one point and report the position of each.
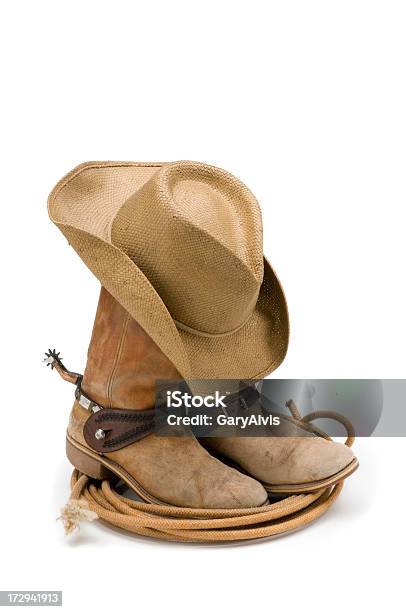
(122, 368)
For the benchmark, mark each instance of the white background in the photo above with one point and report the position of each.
(305, 102)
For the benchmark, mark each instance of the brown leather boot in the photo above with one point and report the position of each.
(296, 459)
(296, 463)
(123, 365)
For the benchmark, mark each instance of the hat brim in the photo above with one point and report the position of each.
(83, 205)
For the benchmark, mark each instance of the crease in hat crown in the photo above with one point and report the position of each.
(195, 231)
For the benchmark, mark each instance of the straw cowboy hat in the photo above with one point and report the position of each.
(179, 246)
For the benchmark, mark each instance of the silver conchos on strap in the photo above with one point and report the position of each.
(87, 403)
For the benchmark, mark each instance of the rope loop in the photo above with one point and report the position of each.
(327, 414)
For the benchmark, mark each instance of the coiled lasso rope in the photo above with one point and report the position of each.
(97, 499)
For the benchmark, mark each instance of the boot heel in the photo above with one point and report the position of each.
(87, 465)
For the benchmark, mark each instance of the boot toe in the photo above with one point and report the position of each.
(244, 492)
(320, 459)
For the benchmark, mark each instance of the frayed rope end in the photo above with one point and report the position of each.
(73, 513)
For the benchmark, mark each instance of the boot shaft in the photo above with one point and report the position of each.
(123, 362)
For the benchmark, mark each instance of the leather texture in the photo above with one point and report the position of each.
(123, 364)
(295, 456)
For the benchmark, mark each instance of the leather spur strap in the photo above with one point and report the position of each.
(109, 429)
(244, 399)
(112, 428)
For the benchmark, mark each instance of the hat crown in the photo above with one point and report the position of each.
(195, 231)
